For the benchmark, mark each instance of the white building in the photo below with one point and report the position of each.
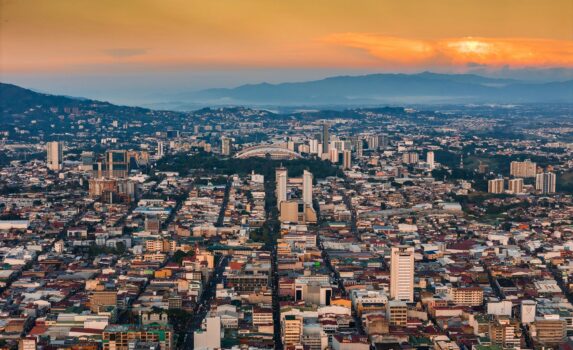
(282, 180)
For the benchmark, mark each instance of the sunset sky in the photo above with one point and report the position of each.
(86, 44)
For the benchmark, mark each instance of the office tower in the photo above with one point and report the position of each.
(210, 337)
(226, 146)
(196, 129)
(307, 188)
(516, 186)
(545, 182)
(281, 181)
(55, 155)
(333, 155)
(410, 158)
(402, 273)
(523, 169)
(325, 138)
(160, 149)
(347, 159)
(430, 159)
(495, 186)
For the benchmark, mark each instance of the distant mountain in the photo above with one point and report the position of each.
(376, 89)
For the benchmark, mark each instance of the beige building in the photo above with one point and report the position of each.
(468, 296)
(516, 186)
(397, 313)
(523, 169)
(102, 299)
(549, 330)
(495, 186)
(402, 273)
(55, 155)
(291, 329)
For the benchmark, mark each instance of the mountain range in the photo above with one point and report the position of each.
(378, 89)
(342, 91)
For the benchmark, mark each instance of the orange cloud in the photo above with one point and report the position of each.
(515, 52)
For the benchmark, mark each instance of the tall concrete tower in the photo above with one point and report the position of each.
(281, 181)
(307, 188)
(402, 273)
(325, 138)
(55, 155)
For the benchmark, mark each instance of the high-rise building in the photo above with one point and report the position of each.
(347, 159)
(495, 186)
(160, 149)
(281, 181)
(55, 155)
(226, 146)
(114, 164)
(410, 158)
(430, 159)
(313, 145)
(307, 188)
(333, 155)
(523, 169)
(325, 138)
(373, 142)
(516, 186)
(358, 147)
(402, 273)
(545, 182)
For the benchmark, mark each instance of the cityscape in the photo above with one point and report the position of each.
(388, 210)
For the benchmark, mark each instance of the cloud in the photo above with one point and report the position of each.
(514, 52)
(125, 52)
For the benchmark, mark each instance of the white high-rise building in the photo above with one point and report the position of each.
(160, 149)
(430, 159)
(282, 181)
(210, 337)
(402, 273)
(55, 155)
(307, 188)
(545, 182)
(313, 144)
